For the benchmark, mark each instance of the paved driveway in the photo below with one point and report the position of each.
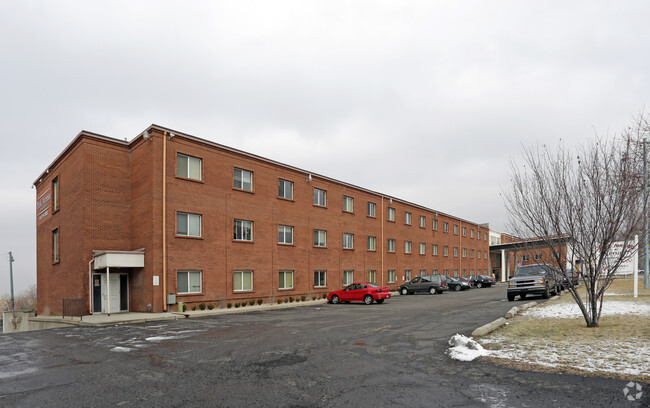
(312, 356)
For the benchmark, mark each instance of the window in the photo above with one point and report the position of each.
(391, 214)
(372, 276)
(455, 252)
(525, 257)
(188, 224)
(188, 167)
(423, 248)
(348, 241)
(446, 271)
(407, 218)
(423, 272)
(348, 204)
(391, 276)
(320, 197)
(464, 231)
(285, 234)
(471, 233)
(434, 249)
(435, 225)
(479, 254)
(407, 275)
(372, 243)
(423, 221)
(485, 237)
(285, 189)
(243, 179)
(407, 247)
(538, 257)
(485, 254)
(435, 271)
(391, 245)
(445, 227)
(55, 194)
(243, 230)
(478, 234)
(55, 246)
(285, 280)
(456, 272)
(320, 238)
(320, 279)
(348, 277)
(455, 229)
(445, 250)
(471, 253)
(464, 252)
(243, 281)
(372, 209)
(188, 282)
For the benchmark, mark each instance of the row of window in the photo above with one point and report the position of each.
(190, 225)
(190, 167)
(190, 282)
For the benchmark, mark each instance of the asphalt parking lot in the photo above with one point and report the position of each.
(310, 356)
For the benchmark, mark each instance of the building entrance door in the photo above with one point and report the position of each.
(97, 293)
(118, 295)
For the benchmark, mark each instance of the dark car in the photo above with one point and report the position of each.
(457, 284)
(569, 276)
(534, 280)
(464, 279)
(481, 281)
(360, 292)
(425, 283)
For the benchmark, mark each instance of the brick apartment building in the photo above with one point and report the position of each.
(124, 225)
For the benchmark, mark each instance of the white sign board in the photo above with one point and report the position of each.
(628, 266)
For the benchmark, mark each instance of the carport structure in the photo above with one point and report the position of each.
(512, 254)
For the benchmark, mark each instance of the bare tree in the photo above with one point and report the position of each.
(592, 198)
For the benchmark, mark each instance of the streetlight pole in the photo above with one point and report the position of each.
(646, 261)
(11, 279)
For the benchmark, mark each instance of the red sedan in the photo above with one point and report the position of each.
(360, 292)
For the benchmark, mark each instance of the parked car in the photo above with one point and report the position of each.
(425, 283)
(464, 279)
(365, 292)
(457, 284)
(539, 279)
(481, 281)
(569, 276)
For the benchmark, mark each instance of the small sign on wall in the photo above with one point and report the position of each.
(156, 280)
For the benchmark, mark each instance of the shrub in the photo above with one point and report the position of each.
(243, 304)
(229, 305)
(314, 298)
(297, 299)
(324, 296)
(202, 306)
(291, 299)
(251, 302)
(237, 304)
(259, 301)
(194, 308)
(279, 301)
(210, 306)
(286, 300)
(303, 298)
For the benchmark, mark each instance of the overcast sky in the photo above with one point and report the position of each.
(423, 100)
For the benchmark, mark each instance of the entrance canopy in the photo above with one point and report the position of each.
(118, 259)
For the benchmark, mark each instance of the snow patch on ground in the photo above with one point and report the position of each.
(465, 348)
(162, 338)
(572, 311)
(118, 349)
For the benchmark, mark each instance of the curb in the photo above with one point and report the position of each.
(492, 326)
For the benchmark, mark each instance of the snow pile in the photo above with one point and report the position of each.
(465, 348)
(118, 349)
(572, 311)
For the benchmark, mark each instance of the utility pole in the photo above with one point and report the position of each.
(646, 261)
(11, 279)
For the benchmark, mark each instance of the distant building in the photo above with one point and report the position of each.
(169, 217)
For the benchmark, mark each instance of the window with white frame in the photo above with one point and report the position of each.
(525, 257)
(538, 257)
(243, 179)
(407, 218)
(55, 246)
(391, 245)
(423, 248)
(285, 234)
(464, 231)
(478, 252)
(455, 252)
(485, 255)
(434, 271)
(285, 189)
(435, 225)
(471, 253)
(434, 249)
(320, 278)
(348, 240)
(391, 276)
(407, 247)
(445, 250)
(348, 204)
(471, 233)
(372, 243)
(188, 166)
(243, 230)
(188, 224)
(455, 229)
(372, 276)
(320, 238)
(243, 281)
(478, 234)
(348, 277)
(446, 272)
(423, 221)
(391, 214)
(188, 282)
(55, 193)
(445, 227)
(464, 252)
(407, 275)
(320, 197)
(372, 209)
(285, 280)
